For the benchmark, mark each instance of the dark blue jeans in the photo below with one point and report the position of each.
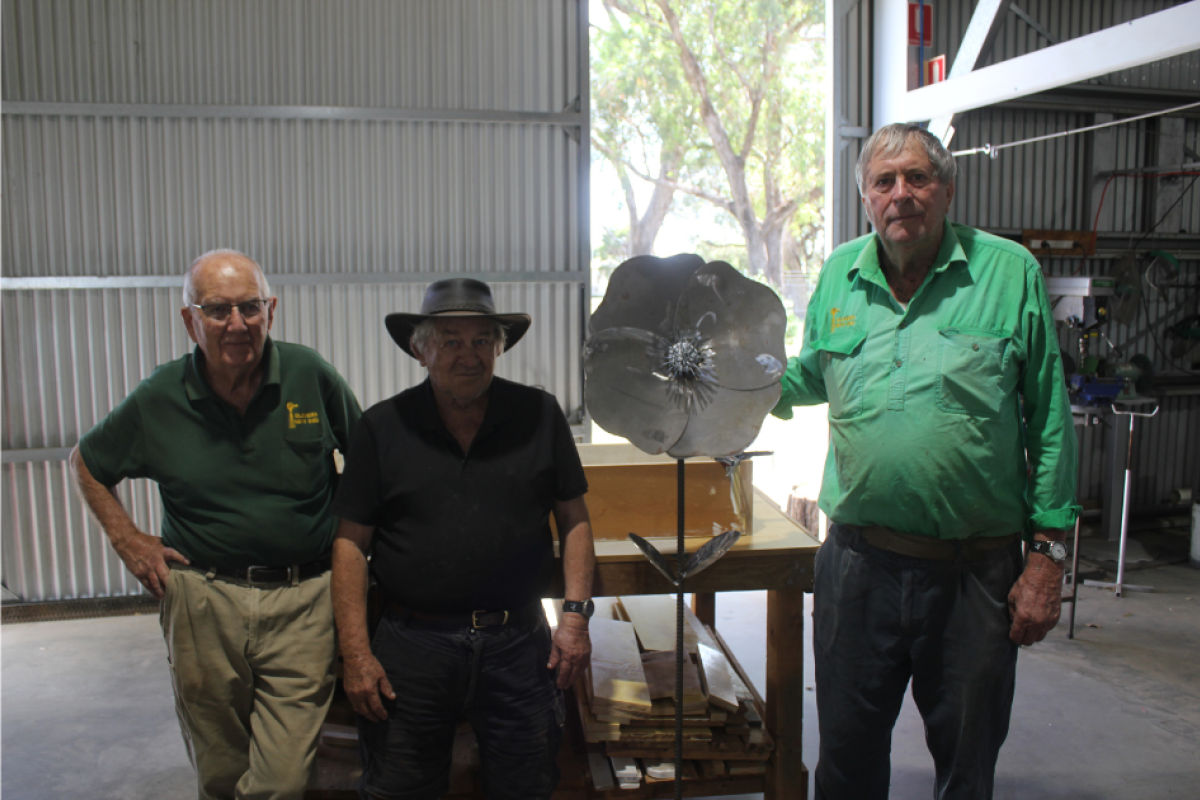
(880, 618)
(496, 677)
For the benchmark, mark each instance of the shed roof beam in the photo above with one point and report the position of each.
(1130, 44)
(976, 44)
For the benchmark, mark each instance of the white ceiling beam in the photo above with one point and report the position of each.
(1130, 44)
(976, 43)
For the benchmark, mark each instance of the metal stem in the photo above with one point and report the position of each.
(680, 560)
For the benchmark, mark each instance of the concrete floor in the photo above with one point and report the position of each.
(1114, 713)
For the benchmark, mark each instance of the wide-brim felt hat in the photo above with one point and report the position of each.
(456, 297)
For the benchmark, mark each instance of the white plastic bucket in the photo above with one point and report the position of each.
(1195, 560)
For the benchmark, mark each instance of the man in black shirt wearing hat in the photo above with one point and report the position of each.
(450, 486)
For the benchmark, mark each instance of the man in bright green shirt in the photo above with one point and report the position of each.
(240, 436)
(951, 439)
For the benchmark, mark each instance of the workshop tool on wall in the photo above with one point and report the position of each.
(684, 357)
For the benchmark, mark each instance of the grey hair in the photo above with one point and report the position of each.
(189, 289)
(891, 139)
(426, 331)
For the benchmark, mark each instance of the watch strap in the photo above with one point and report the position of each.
(584, 607)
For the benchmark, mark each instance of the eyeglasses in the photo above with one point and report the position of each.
(220, 312)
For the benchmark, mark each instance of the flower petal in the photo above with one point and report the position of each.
(624, 396)
(643, 292)
(745, 321)
(727, 424)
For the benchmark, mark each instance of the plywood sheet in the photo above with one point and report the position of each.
(653, 617)
(718, 685)
(660, 681)
(617, 680)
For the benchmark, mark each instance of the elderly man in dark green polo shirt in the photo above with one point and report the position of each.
(950, 440)
(240, 436)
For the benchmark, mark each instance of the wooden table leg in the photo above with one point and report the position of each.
(704, 604)
(787, 776)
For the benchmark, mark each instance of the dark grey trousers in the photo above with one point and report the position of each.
(879, 619)
(496, 677)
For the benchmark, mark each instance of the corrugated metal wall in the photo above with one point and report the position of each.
(358, 150)
(1049, 185)
(1057, 185)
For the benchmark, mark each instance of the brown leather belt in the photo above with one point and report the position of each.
(907, 544)
(476, 620)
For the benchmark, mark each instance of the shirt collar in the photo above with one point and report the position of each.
(497, 411)
(198, 387)
(868, 268)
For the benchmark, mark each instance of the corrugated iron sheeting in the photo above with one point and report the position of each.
(112, 196)
(852, 108)
(53, 549)
(71, 356)
(1065, 20)
(1034, 186)
(116, 194)
(452, 54)
(59, 380)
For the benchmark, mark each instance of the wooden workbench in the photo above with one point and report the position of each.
(777, 557)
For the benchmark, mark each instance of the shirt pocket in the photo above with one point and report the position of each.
(842, 369)
(971, 372)
(306, 467)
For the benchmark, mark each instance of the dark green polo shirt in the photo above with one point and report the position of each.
(236, 490)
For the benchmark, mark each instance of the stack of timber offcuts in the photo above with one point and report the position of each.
(626, 697)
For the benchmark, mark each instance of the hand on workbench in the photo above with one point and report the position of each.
(146, 557)
(364, 681)
(1035, 600)
(570, 650)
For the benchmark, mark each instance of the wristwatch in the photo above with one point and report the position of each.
(1055, 551)
(585, 607)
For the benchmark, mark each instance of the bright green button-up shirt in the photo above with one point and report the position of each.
(948, 419)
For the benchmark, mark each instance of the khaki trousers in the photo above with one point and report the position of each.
(252, 669)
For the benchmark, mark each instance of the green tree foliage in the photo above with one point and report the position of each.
(718, 100)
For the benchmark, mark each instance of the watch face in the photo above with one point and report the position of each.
(1058, 551)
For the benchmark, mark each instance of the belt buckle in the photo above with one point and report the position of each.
(475, 619)
(250, 574)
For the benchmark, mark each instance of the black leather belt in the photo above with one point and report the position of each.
(476, 620)
(258, 575)
(907, 544)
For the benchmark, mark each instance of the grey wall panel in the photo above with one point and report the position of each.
(53, 549)
(1035, 186)
(351, 213)
(112, 196)
(71, 356)
(452, 54)
(851, 58)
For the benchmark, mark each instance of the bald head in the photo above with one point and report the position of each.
(214, 257)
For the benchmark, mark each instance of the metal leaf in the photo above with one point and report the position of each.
(709, 553)
(656, 558)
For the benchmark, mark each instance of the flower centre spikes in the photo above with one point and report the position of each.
(686, 363)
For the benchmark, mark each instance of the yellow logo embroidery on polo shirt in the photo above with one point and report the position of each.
(296, 418)
(844, 321)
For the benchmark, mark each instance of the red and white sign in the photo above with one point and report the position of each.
(935, 70)
(914, 30)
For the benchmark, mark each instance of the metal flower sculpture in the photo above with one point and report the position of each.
(684, 357)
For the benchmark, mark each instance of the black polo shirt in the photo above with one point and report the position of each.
(459, 532)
